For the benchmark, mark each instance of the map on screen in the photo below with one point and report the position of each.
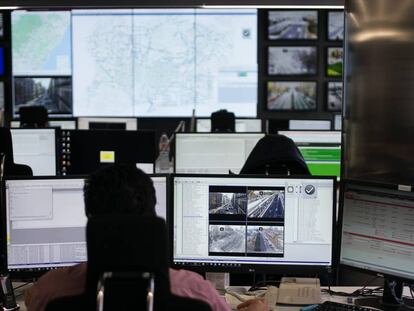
(41, 43)
(164, 62)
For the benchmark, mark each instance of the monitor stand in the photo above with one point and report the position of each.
(390, 301)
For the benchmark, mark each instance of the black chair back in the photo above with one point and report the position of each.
(275, 154)
(33, 116)
(6, 148)
(128, 244)
(223, 121)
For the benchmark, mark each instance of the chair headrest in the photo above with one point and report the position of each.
(33, 115)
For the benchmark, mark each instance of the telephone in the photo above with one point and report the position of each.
(299, 291)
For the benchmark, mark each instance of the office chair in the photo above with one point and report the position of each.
(275, 154)
(127, 268)
(6, 150)
(223, 121)
(33, 116)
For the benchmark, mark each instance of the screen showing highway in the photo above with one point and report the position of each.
(237, 221)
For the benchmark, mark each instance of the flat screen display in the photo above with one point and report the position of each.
(284, 95)
(293, 25)
(230, 221)
(292, 60)
(53, 93)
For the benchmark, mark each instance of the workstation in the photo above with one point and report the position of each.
(281, 167)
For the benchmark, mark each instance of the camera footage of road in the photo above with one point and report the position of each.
(265, 239)
(227, 203)
(291, 99)
(229, 239)
(267, 205)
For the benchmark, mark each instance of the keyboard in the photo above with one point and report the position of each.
(336, 306)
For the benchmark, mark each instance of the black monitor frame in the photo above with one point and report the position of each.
(343, 185)
(150, 149)
(254, 268)
(58, 150)
(34, 273)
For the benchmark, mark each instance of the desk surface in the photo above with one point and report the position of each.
(325, 297)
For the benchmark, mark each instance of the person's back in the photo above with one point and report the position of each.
(118, 189)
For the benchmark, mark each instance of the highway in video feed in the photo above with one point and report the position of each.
(267, 205)
(264, 239)
(227, 239)
(227, 203)
(291, 99)
(295, 29)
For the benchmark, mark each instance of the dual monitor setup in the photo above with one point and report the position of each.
(230, 223)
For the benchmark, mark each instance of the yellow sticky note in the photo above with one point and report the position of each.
(107, 156)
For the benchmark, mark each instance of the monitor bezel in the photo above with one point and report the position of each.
(34, 273)
(237, 118)
(206, 133)
(255, 268)
(58, 133)
(343, 185)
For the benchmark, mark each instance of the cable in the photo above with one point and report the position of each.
(20, 286)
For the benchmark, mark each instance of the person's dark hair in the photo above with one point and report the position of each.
(119, 189)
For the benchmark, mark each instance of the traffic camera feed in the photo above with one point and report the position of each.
(293, 25)
(246, 221)
(283, 95)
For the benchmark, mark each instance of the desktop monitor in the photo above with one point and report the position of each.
(107, 124)
(44, 221)
(83, 151)
(62, 124)
(377, 232)
(270, 224)
(213, 153)
(36, 148)
(321, 125)
(242, 125)
(320, 149)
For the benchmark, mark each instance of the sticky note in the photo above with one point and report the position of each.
(107, 156)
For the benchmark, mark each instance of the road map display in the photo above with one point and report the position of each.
(41, 43)
(164, 62)
(141, 62)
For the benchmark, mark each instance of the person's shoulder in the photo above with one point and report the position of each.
(181, 274)
(73, 272)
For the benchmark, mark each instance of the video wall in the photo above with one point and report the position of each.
(167, 62)
(136, 62)
(301, 67)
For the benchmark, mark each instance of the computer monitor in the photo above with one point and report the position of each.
(37, 149)
(62, 124)
(338, 122)
(107, 124)
(83, 151)
(242, 125)
(213, 153)
(269, 224)
(377, 233)
(310, 125)
(320, 149)
(44, 221)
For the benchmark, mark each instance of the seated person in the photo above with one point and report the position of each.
(124, 190)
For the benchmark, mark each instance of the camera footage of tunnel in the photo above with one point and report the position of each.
(246, 221)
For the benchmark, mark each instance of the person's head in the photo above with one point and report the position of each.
(119, 189)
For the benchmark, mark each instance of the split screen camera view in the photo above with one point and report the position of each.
(246, 221)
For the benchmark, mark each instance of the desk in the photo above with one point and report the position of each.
(325, 297)
(340, 299)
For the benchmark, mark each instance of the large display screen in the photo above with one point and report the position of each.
(138, 62)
